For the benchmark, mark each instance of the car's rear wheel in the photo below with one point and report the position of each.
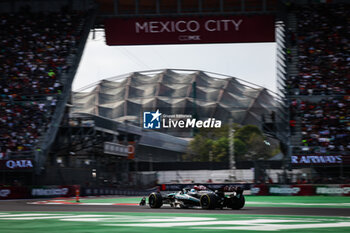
(208, 201)
(237, 202)
(155, 200)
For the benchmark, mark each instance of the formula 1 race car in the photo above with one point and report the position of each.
(199, 196)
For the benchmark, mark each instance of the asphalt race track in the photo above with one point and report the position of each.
(22, 205)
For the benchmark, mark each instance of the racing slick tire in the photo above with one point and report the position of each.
(182, 206)
(237, 202)
(208, 201)
(155, 200)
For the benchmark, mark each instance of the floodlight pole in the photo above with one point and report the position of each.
(232, 164)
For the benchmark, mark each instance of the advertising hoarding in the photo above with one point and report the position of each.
(16, 164)
(320, 159)
(190, 30)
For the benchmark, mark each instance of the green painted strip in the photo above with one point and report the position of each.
(300, 199)
(109, 200)
(75, 222)
(262, 201)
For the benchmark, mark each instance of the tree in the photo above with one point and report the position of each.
(257, 148)
(199, 149)
(220, 149)
(240, 148)
(249, 144)
(244, 133)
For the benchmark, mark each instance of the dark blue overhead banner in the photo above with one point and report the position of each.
(190, 30)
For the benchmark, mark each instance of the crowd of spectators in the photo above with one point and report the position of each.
(34, 48)
(325, 124)
(323, 42)
(321, 88)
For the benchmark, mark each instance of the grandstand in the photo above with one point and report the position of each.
(62, 140)
(39, 55)
(317, 84)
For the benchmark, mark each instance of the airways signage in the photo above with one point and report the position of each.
(190, 30)
(319, 159)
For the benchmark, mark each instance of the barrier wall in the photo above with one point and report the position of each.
(301, 190)
(38, 191)
(66, 191)
(98, 191)
(275, 189)
(254, 189)
(178, 187)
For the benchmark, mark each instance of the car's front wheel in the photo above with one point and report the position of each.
(155, 200)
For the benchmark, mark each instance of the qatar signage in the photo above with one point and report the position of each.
(190, 30)
(16, 164)
(317, 159)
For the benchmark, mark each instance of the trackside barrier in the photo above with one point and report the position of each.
(12, 192)
(37, 191)
(97, 191)
(301, 190)
(66, 191)
(176, 187)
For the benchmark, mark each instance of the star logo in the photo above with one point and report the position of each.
(156, 115)
(151, 120)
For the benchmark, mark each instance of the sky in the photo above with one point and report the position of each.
(252, 62)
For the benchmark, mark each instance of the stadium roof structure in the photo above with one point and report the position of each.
(124, 98)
